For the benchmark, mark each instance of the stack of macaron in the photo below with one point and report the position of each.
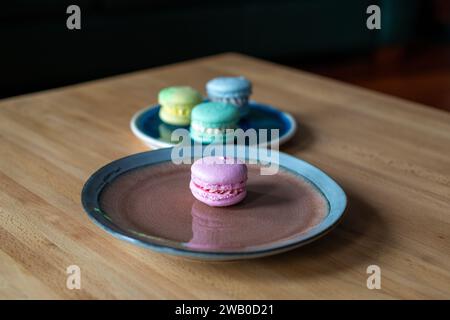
(218, 181)
(209, 120)
(215, 181)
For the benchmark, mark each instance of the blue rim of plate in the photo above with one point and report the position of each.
(148, 127)
(92, 189)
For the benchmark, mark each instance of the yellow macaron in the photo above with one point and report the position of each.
(177, 103)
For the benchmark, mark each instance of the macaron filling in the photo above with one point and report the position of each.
(216, 194)
(217, 188)
(178, 110)
(219, 130)
(237, 101)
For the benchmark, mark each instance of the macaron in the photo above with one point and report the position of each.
(210, 121)
(232, 90)
(177, 103)
(218, 181)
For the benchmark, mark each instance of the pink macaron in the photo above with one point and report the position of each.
(218, 181)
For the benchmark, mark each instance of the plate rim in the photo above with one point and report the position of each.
(339, 198)
(158, 144)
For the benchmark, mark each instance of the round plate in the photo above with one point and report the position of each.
(148, 127)
(145, 199)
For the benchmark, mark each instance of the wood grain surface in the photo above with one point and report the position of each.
(391, 156)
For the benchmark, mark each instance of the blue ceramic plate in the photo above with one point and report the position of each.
(145, 199)
(149, 128)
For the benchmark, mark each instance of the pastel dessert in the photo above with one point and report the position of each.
(177, 103)
(218, 181)
(232, 90)
(210, 121)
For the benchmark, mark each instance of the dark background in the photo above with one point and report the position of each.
(409, 57)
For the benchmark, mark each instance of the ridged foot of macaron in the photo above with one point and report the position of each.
(218, 202)
(206, 138)
(240, 103)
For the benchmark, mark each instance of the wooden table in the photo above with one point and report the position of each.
(391, 156)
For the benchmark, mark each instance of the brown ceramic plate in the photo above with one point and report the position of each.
(145, 199)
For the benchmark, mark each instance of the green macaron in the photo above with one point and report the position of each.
(209, 121)
(177, 103)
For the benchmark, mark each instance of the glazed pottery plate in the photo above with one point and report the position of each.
(145, 199)
(148, 127)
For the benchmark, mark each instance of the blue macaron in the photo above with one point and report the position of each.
(230, 90)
